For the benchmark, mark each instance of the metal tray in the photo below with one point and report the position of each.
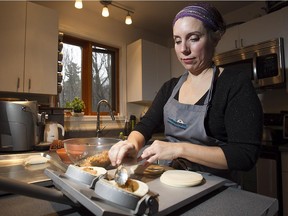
(12, 166)
(170, 198)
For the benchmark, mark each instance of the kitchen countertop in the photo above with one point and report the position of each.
(228, 201)
(223, 201)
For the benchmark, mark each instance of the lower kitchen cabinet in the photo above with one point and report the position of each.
(29, 48)
(285, 182)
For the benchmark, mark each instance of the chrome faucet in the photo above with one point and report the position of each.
(98, 130)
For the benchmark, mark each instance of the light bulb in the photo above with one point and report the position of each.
(128, 19)
(105, 11)
(78, 4)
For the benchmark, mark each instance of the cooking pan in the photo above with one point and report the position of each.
(90, 192)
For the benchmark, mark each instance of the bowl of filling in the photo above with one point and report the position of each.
(86, 152)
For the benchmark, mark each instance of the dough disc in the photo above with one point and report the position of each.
(181, 178)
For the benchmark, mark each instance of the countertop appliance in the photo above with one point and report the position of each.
(18, 125)
(263, 62)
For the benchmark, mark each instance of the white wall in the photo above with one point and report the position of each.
(92, 26)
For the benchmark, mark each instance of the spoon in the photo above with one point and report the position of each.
(121, 175)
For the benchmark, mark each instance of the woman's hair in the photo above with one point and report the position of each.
(209, 15)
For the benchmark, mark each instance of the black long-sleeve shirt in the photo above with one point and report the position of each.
(234, 117)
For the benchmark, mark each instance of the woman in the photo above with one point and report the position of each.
(212, 116)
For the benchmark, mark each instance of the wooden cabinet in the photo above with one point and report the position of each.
(29, 45)
(257, 30)
(148, 67)
(285, 182)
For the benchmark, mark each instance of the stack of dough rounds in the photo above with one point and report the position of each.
(181, 178)
(154, 170)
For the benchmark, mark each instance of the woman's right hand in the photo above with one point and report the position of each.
(120, 151)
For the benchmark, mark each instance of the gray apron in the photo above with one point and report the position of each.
(185, 122)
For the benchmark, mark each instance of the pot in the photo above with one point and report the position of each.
(51, 131)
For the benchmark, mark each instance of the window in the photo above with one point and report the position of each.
(90, 71)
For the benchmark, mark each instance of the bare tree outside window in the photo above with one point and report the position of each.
(90, 72)
(101, 76)
(72, 67)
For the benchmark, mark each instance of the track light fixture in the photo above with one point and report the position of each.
(105, 10)
(128, 19)
(78, 4)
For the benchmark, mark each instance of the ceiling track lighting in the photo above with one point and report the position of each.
(78, 4)
(128, 19)
(105, 10)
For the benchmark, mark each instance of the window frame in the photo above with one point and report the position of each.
(86, 75)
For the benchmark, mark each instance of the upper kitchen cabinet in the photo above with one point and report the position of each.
(29, 48)
(257, 30)
(148, 67)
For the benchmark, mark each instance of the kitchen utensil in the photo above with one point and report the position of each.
(85, 174)
(109, 190)
(89, 151)
(121, 175)
(51, 131)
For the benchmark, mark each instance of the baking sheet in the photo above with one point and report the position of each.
(12, 166)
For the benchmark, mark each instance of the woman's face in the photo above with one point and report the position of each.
(192, 45)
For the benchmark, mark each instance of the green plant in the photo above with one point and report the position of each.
(68, 105)
(76, 104)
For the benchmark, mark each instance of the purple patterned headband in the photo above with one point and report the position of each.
(204, 12)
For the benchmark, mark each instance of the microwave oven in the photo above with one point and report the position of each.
(264, 62)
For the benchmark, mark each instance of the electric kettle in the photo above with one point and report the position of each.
(51, 131)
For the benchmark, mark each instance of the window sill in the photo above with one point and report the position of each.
(88, 123)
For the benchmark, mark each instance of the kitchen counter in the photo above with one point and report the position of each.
(222, 201)
(227, 201)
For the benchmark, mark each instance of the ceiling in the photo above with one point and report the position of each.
(157, 16)
(153, 16)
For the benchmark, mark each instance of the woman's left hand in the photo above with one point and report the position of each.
(160, 150)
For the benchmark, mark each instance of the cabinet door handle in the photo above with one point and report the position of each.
(254, 64)
(29, 85)
(18, 84)
(241, 42)
(235, 43)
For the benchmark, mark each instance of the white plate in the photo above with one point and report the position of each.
(141, 191)
(181, 178)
